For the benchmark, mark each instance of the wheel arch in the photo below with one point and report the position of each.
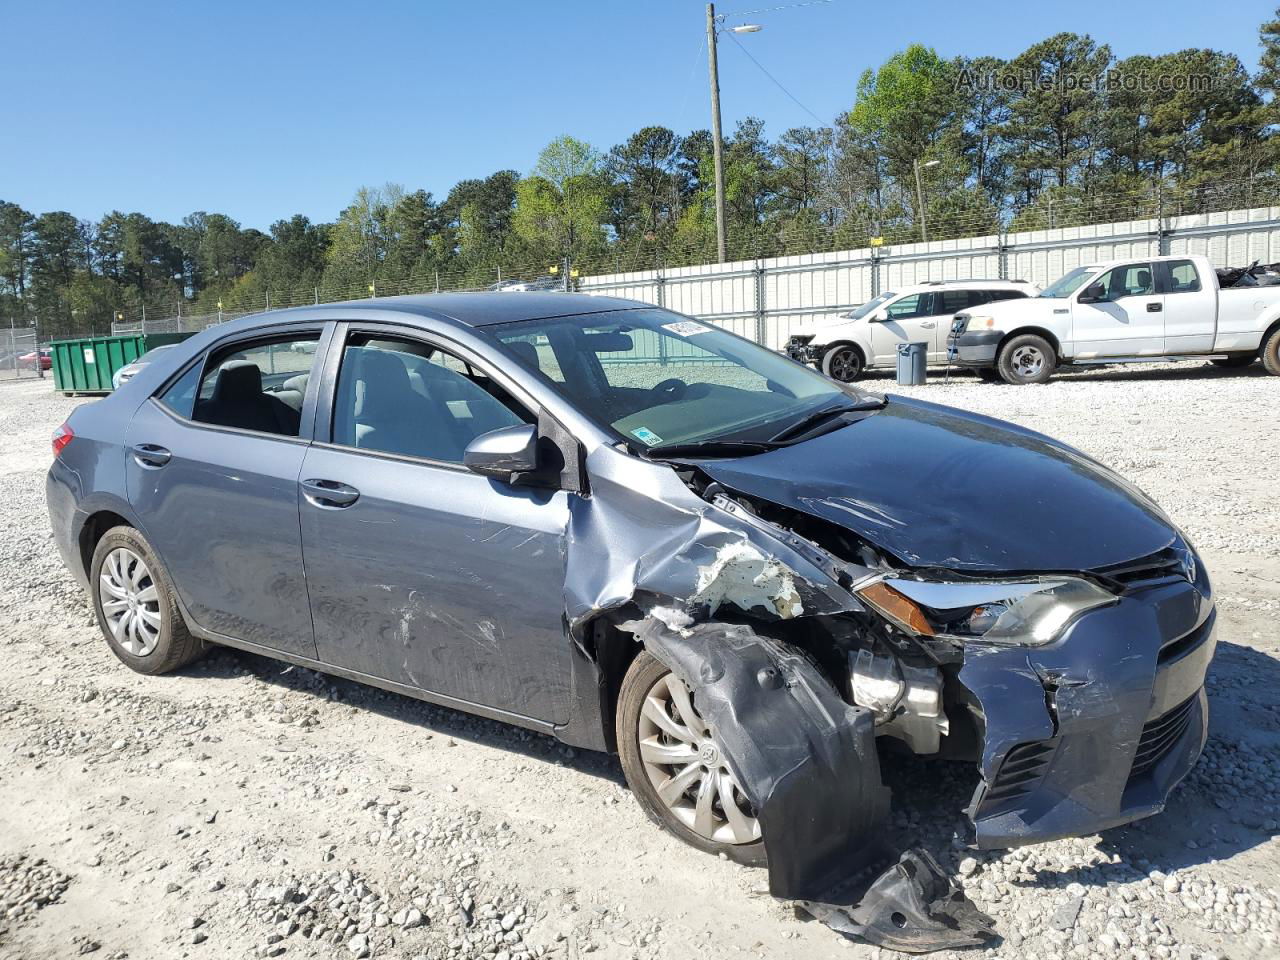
(1034, 331)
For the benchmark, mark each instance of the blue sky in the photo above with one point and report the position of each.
(265, 109)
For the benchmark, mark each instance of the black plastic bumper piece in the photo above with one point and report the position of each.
(912, 907)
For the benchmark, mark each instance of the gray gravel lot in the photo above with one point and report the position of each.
(242, 808)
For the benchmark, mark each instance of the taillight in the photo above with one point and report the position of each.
(61, 437)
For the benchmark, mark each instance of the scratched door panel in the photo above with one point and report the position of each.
(442, 579)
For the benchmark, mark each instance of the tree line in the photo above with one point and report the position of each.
(1063, 134)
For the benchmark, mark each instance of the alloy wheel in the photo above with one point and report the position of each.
(687, 768)
(130, 602)
(845, 365)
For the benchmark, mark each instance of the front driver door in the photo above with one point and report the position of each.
(421, 572)
(906, 320)
(1126, 321)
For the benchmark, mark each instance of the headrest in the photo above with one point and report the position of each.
(1144, 278)
(298, 383)
(237, 380)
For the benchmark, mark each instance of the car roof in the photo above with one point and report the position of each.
(926, 285)
(472, 309)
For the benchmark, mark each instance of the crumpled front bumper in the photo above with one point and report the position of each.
(1094, 730)
(802, 349)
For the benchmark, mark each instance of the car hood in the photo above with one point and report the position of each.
(940, 487)
(1022, 308)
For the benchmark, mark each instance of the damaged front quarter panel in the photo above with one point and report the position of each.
(804, 756)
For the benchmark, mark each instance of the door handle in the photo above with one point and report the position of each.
(150, 455)
(928, 325)
(329, 494)
(1154, 307)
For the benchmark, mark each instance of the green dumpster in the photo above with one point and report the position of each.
(87, 365)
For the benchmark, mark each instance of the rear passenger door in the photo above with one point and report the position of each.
(1189, 307)
(421, 572)
(946, 304)
(212, 473)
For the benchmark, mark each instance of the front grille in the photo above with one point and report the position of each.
(1159, 736)
(1022, 769)
(1166, 564)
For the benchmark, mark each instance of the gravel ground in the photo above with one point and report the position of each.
(243, 808)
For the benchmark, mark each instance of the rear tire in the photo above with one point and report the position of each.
(1236, 360)
(843, 363)
(137, 607)
(1027, 359)
(644, 696)
(1271, 353)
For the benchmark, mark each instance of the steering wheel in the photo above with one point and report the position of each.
(668, 390)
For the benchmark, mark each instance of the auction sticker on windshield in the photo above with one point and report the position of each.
(686, 328)
(645, 435)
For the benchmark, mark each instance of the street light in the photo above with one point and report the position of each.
(924, 226)
(717, 141)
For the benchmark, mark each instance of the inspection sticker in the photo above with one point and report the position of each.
(686, 328)
(645, 435)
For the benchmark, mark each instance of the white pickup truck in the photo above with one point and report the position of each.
(1121, 311)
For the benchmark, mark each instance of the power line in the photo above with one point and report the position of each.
(788, 6)
(775, 80)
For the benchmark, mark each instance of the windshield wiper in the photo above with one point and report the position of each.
(708, 448)
(806, 423)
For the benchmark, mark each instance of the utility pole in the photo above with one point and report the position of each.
(924, 226)
(717, 145)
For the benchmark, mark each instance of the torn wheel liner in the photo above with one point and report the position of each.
(804, 758)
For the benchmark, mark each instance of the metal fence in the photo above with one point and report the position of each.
(20, 357)
(767, 299)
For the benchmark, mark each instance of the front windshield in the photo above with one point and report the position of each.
(870, 306)
(1065, 286)
(657, 378)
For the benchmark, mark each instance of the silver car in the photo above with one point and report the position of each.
(130, 370)
(635, 532)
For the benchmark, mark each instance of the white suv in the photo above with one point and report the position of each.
(845, 345)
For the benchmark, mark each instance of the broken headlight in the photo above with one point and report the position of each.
(1025, 613)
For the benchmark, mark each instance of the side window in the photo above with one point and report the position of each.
(181, 395)
(916, 305)
(1131, 280)
(258, 385)
(952, 301)
(991, 296)
(409, 398)
(1178, 276)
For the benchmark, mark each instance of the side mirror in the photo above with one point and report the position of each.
(501, 453)
(880, 316)
(1094, 293)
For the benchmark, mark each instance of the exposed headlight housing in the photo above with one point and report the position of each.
(978, 321)
(1027, 613)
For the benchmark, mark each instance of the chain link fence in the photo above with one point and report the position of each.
(20, 356)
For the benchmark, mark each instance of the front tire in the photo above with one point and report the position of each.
(1027, 359)
(676, 768)
(843, 363)
(136, 605)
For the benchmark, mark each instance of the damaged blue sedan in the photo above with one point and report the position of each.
(640, 533)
